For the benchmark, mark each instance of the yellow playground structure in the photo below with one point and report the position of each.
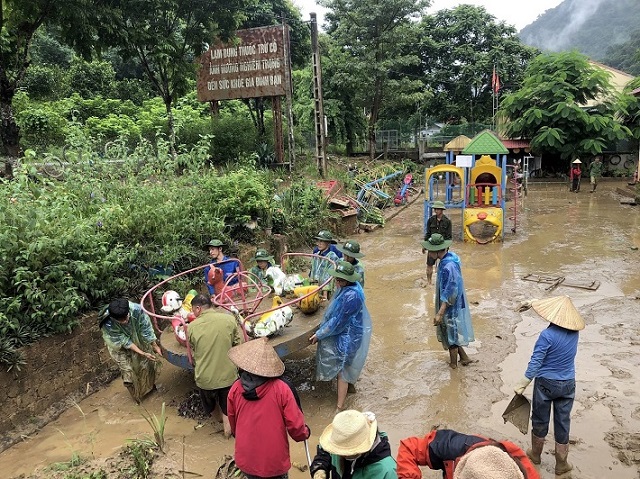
(473, 180)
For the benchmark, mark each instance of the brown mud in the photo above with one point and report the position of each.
(407, 381)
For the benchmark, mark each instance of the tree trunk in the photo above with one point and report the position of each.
(9, 132)
(172, 129)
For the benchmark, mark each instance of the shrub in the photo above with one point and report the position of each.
(40, 126)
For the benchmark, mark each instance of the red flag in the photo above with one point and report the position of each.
(495, 81)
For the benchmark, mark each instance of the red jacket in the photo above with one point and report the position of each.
(443, 449)
(575, 172)
(260, 425)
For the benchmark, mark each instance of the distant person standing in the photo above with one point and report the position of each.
(595, 172)
(452, 319)
(576, 172)
(438, 223)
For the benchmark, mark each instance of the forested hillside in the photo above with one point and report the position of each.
(589, 26)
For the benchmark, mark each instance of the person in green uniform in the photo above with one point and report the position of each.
(132, 344)
(320, 267)
(351, 254)
(595, 172)
(263, 261)
(438, 223)
(211, 335)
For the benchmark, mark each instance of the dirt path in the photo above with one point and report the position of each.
(407, 382)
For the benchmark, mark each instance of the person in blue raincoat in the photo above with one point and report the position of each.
(344, 333)
(326, 247)
(453, 318)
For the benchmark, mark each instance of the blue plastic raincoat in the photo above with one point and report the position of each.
(320, 267)
(344, 336)
(456, 328)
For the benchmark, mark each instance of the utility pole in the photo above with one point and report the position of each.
(317, 96)
(289, 87)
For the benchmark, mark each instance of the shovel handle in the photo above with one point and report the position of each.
(306, 449)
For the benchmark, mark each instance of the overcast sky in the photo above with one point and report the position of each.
(519, 13)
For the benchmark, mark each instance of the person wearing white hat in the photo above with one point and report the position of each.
(463, 456)
(552, 365)
(576, 172)
(263, 409)
(351, 447)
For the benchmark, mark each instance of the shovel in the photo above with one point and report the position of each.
(306, 449)
(518, 412)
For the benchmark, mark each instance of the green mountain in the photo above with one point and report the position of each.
(589, 26)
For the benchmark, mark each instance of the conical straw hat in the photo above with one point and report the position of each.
(257, 357)
(560, 311)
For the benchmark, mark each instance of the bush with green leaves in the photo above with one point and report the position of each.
(70, 246)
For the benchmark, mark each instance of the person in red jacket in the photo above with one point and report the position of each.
(575, 175)
(461, 456)
(262, 408)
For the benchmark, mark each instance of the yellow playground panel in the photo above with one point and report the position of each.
(483, 219)
(483, 225)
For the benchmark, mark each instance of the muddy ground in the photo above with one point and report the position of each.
(407, 382)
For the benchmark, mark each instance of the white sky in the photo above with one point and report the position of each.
(519, 13)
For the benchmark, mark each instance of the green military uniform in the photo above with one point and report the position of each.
(138, 373)
(211, 336)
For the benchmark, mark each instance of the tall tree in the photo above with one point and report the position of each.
(167, 36)
(458, 50)
(564, 106)
(629, 109)
(19, 21)
(368, 35)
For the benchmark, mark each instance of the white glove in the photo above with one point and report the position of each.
(320, 475)
(522, 385)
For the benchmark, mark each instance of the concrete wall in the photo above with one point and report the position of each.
(58, 369)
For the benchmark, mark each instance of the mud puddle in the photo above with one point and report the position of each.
(407, 381)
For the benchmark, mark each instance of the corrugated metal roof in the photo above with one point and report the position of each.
(511, 144)
(485, 143)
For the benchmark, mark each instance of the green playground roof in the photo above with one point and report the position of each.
(485, 143)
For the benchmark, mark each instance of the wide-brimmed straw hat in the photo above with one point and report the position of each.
(351, 248)
(560, 311)
(257, 357)
(438, 205)
(346, 271)
(577, 160)
(263, 255)
(351, 433)
(436, 242)
(487, 461)
(326, 236)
